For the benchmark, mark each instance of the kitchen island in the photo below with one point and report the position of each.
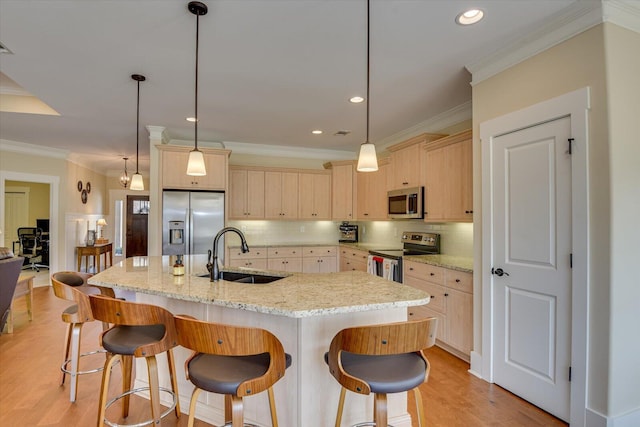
(304, 311)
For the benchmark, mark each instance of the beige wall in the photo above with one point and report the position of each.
(97, 197)
(622, 54)
(613, 190)
(38, 199)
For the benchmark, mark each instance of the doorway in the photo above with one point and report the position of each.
(137, 225)
(524, 333)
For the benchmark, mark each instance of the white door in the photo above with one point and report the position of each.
(531, 180)
(16, 213)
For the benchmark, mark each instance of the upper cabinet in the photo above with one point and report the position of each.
(343, 184)
(246, 193)
(280, 195)
(372, 193)
(405, 161)
(174, 168)
(448, 177)
(314, 200)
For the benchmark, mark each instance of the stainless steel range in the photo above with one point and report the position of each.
(388, 262)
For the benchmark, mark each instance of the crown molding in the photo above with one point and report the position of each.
(288, 151)
(32, 149)
(443, 120)
(625, 13)
(575, 19)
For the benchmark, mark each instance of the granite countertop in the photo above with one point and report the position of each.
(464, 264)
(369, 246)
(297, 295)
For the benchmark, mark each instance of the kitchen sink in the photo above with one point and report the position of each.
(234, 276)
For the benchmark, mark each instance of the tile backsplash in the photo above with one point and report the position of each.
(456, 238)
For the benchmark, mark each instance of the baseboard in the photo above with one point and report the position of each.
(596, 419)
(476, 364)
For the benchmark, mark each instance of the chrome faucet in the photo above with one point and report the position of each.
(212, 266)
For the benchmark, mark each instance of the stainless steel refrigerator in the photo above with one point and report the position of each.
(190, 221)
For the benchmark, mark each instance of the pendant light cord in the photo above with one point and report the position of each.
(137, 129)
(367, 140)
(196, 97)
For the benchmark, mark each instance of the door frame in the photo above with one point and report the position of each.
(575, 105)
(54, 202)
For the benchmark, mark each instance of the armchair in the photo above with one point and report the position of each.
(10, 267)
(30, 240)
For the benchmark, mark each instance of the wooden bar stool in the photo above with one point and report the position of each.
(72, 286)
(231, 360)
(139, 330)
(382, 359)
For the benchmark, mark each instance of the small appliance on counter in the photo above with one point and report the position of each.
(388, 263)
(348, 233)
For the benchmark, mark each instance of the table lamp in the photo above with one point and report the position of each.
(101, 222)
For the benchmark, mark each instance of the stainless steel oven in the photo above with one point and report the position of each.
(387, 263)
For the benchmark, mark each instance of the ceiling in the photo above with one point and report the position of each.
(271, 71)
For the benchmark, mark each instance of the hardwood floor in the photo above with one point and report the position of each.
(30, 395)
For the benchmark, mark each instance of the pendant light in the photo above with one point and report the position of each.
(195, 165)
(136, 181)
(367, 160)
(124, 178)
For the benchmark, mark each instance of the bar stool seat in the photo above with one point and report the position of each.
(231, 360)
(139, 330)
(382, 359)
(72, 286)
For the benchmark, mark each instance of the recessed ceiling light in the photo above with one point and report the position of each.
(316, 132)
(191, 119)
(356, 99)
(469, 17)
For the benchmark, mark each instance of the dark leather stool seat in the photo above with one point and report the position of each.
(139, 330)
(73, 286)
(382, 359)
(231, 360)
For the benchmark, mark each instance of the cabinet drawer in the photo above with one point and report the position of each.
(284, 252)
(257, 263)
(423, 312)
(316, 251)
(254, 252)
(436, 291)
(459, 280)
(425, 272)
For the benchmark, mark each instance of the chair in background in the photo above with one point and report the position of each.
(10, 267)
(382, 359)
(30, 241)
(139, 330)
(231, 360)
(73, 286)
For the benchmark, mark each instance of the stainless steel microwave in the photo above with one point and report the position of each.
(406, 203)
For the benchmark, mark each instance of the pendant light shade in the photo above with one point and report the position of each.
(195, 165)
(136, 181)
(124, 178)
(367, 159)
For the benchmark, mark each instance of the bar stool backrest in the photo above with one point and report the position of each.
(125, 313)
(72, 286)
(228, 340)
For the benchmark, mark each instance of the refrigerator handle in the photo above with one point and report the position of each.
(190, 228)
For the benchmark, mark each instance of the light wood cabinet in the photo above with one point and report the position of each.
(352, 259)
(448, 177)
(343, 190)
(405, 161)
(451, 302)
(280, 195)
(255, 258)
(286, 258)
(372, 193)
(246, 194)
(319, 259)
(314, 200)
(174, 169)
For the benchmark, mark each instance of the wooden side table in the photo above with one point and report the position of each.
(24, 288)
(96, 252)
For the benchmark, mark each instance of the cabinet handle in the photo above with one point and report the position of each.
(457, 280)
(432, 274)
(405, 183)
(468, 212)
(410, 314)
(410, 268)
(446, 295)
(433, 297)
(366, 214)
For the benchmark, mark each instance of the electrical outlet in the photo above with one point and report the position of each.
(302, 228)
(364, 230)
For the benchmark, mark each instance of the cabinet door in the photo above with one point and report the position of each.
(238, 194)
(342, 192)
(322, 199)
(306, 197)
(174, 170)
(255, 194)
(216, 177)
(273, 195)
(459, 181)
(290, 195)
(459, 322)
(435, 186)
(424, 312)
(406, 167)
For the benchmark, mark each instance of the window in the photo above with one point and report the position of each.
(119, 227)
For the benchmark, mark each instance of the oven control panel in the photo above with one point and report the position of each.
(420, 238)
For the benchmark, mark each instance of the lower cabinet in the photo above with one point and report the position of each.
(451, 302)
(255, 258)
(353, 259)
(285, 258)
(319, 259)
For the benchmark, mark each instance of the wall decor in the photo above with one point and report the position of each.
(83, 196)
(88, 187)
(79, 185)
